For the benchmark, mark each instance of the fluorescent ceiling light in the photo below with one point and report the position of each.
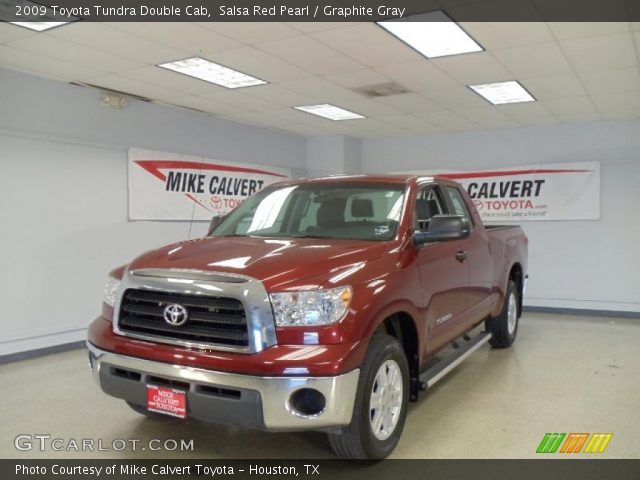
(212, 72)
(503, 92)
(330, 111)
(39, 26)
(432, 34)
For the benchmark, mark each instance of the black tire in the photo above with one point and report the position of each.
(358, 441)
(503, 334)
(143, 411)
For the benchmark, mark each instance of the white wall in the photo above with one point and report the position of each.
(573, 264)
(63, 197)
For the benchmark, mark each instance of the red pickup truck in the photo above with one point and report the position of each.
(317, 304)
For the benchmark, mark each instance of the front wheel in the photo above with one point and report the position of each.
(504, 327)
(381, 403)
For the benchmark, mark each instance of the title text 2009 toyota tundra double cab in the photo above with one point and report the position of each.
(319, 304)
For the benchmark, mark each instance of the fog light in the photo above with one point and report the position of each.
(307, 402)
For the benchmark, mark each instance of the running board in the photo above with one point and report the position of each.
(463, 348)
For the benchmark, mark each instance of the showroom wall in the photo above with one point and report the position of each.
(573, 264)
(63, 172)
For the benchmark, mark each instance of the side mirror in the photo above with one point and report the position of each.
(215, 221)
(443, 228)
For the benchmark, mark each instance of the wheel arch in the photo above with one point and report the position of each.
(402, 326)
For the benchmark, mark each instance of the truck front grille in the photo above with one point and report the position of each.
(211, 320)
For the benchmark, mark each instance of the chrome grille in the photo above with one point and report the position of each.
(211, 320)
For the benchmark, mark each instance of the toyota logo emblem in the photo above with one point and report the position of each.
(175, 314)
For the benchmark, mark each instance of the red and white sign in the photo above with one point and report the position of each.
(169, 186)
(167, 400)
(561, 191)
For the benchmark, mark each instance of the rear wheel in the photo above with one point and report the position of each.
(381, 403)
(504, 327)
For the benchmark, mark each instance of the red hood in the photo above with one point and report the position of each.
(278, 263)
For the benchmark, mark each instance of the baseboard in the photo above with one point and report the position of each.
(40, 352)
(582, 311)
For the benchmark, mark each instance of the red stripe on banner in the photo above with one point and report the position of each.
(154, 166)
(506, 173)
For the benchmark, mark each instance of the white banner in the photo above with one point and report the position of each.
(560, 191)
(169, 186)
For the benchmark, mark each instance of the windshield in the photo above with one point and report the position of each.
(345, 210)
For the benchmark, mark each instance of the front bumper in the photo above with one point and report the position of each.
(230, 398)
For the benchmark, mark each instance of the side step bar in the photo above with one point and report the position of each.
(462, 350)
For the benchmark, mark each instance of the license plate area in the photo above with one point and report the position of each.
(166, 400)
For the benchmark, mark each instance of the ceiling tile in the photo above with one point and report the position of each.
(311, 27)
(186, 36)
(493, 35)
(252, 32)
(356, 42)
(611, 81)
(10, 32)
(473, 68)
(447, 120)
(616, 101)
(418, 76)
(205, 105)
(278, 95)
(259, 64)
(110, 40)
(56, 48)
(409, 103)
(132, 86)
(524, 111)
(48, 67)
(238, 99)
(599, 53)
(568, 30)
(539, 121)
(369, 108)
(410, 123)
(555, 86)
(322, 90)
(575, 105)
(458, 98)
(358, 78)
(579, 117)
(534, 61)
(620, 114)
(311, 55)
(175, 81)
(488, 117)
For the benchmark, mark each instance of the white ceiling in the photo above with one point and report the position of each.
(577, 71)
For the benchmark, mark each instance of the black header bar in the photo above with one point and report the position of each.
(317, 11)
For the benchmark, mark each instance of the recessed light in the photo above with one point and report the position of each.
(330, 111)
(212, 72)
(39, 26)
(432, 34)
(503, 92)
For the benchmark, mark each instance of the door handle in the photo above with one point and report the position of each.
(461, 255)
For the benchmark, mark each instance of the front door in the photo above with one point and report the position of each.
(444, 278)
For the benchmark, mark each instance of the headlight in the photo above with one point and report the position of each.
(313, 307)
(110, 290)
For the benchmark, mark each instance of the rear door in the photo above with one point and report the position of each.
(444, 278)
(477, 255)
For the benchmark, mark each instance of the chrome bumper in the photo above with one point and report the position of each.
(271, 394)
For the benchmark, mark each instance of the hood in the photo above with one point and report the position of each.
(279, 263)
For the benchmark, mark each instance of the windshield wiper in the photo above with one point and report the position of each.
(309, 235)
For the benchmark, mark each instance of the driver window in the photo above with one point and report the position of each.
(428, 204)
